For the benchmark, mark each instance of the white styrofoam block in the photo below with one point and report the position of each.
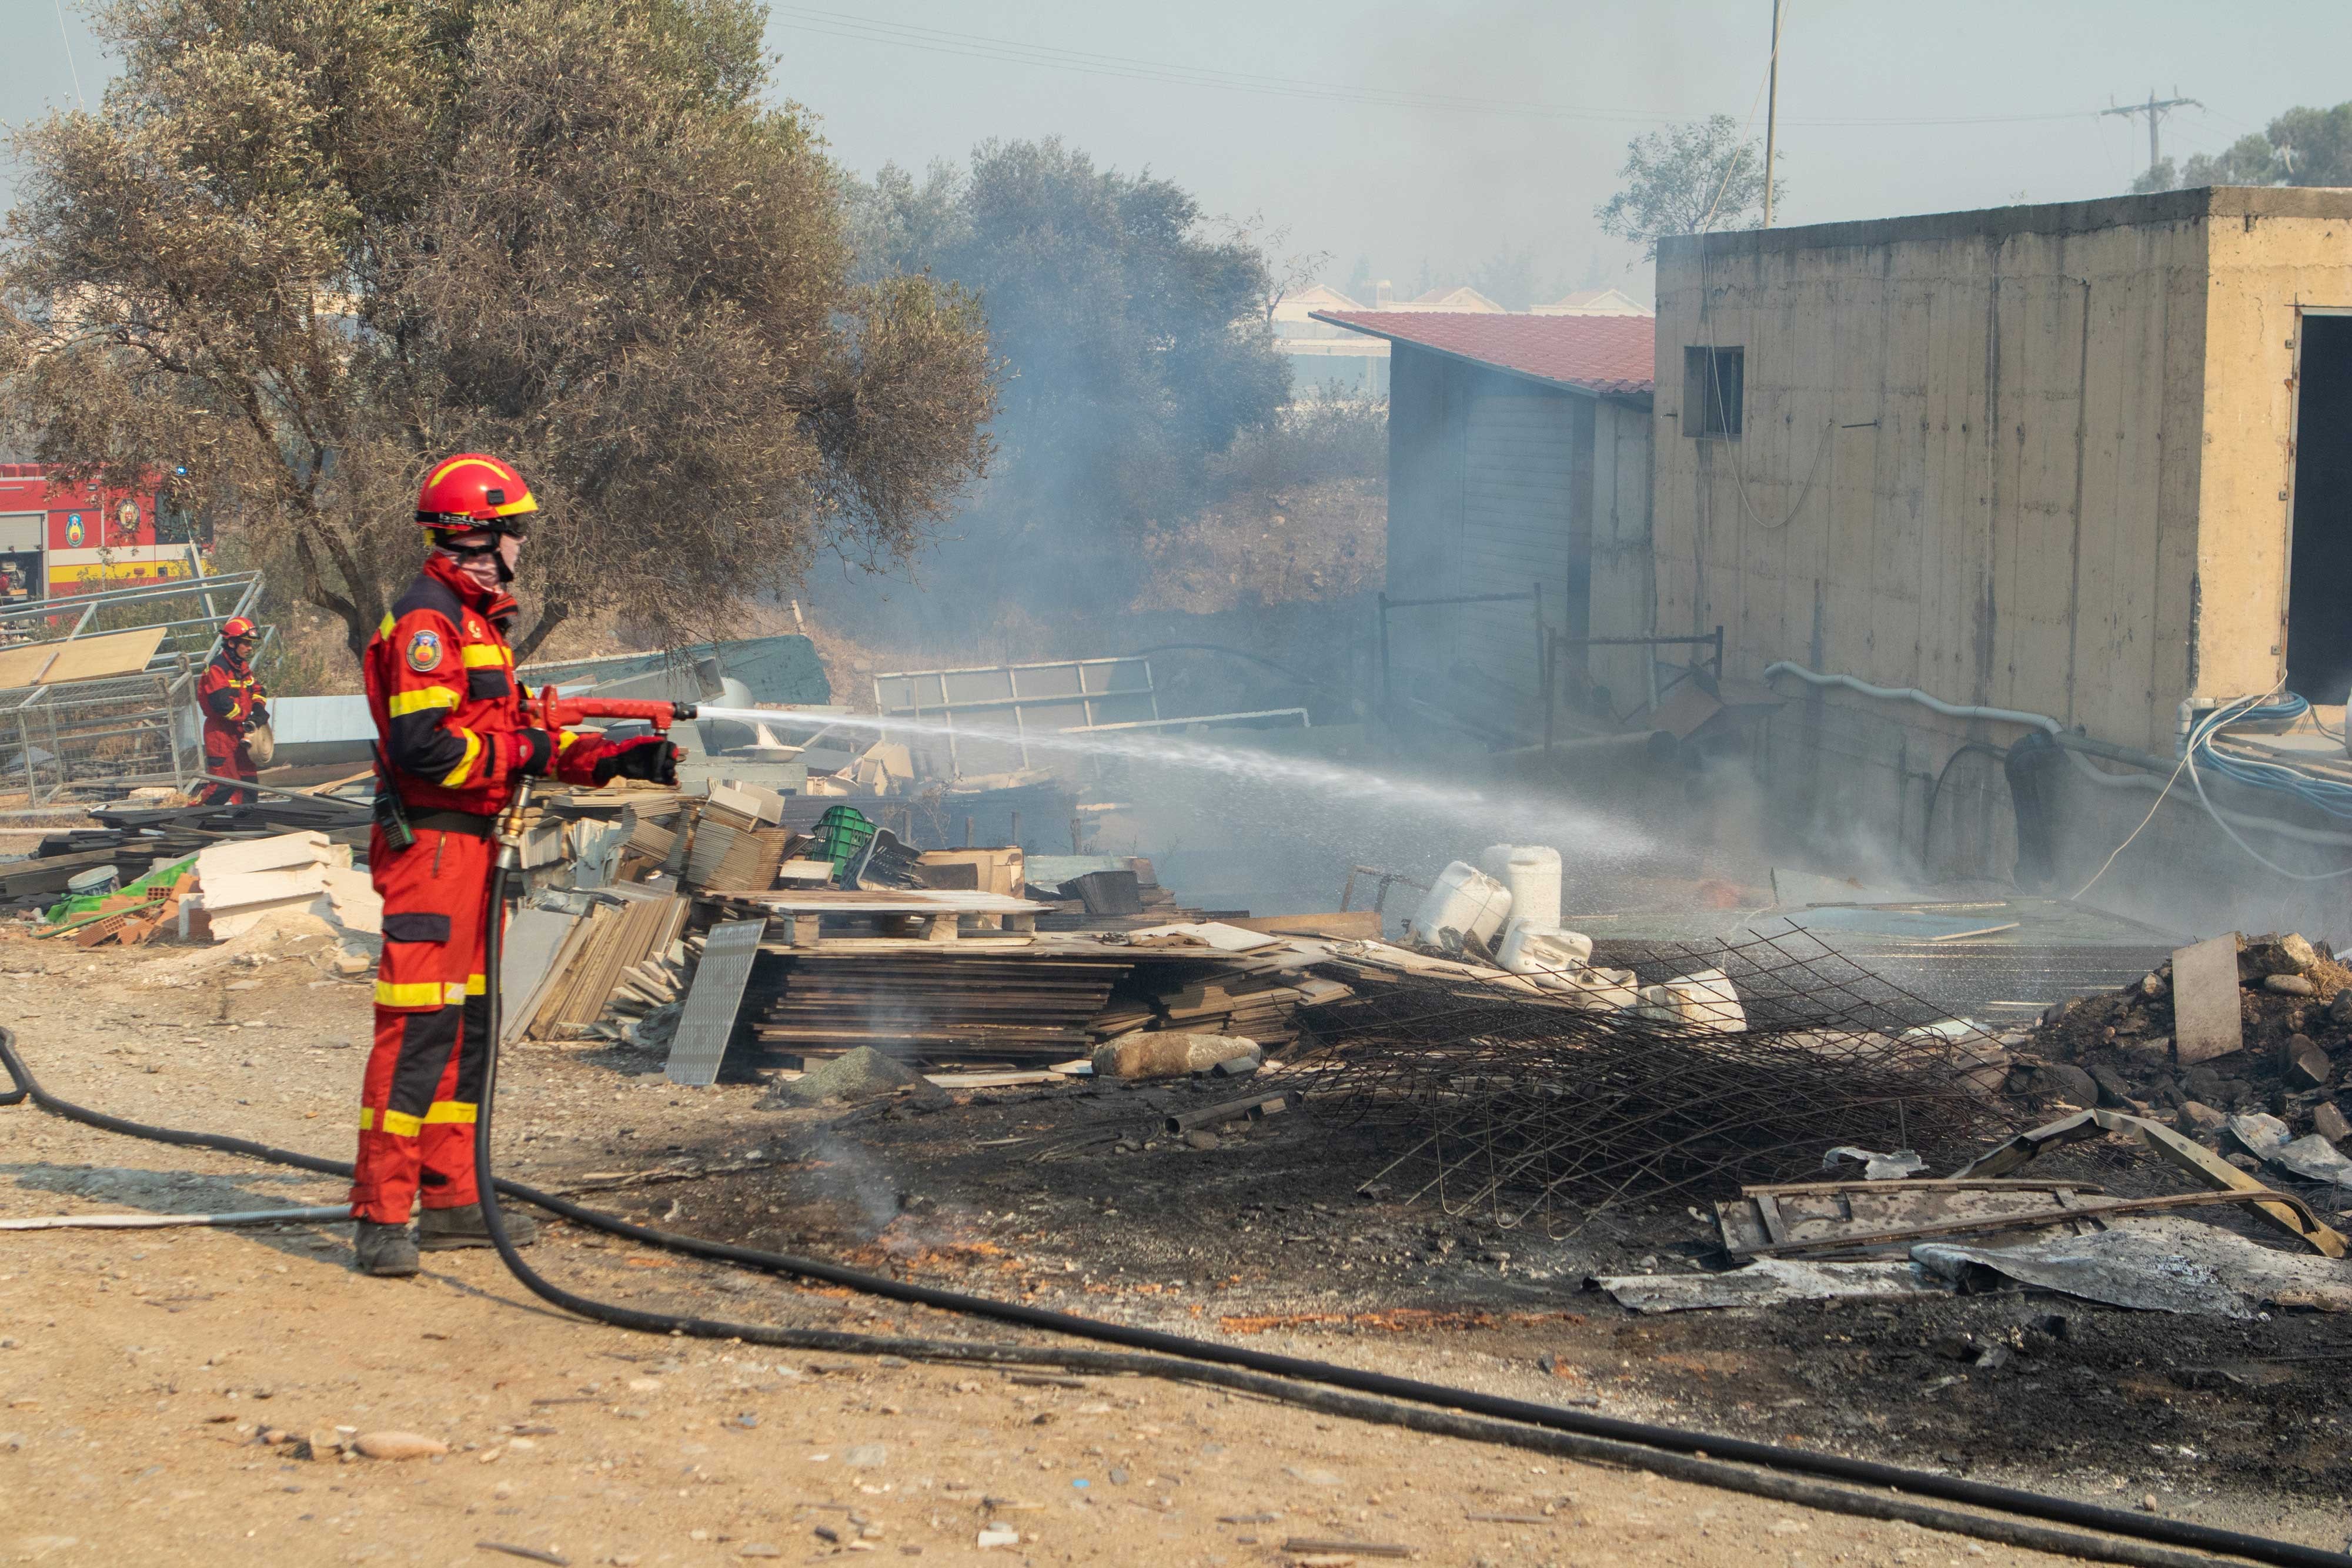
(237, 856)
(281, 885)
(352, 903)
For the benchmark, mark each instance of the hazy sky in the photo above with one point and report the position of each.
(1439, 135)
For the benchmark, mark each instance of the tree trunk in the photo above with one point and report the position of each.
(551, 616)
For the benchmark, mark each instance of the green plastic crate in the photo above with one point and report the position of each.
(841, 835)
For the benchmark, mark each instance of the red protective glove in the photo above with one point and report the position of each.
(649, 757)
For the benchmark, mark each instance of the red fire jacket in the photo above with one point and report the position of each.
(227, 693)
(441, 686)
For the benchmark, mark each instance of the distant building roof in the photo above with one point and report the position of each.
(1603, 355)
(1444, 298)
(1595, 302)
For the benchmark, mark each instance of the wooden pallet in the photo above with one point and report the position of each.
(807, 918)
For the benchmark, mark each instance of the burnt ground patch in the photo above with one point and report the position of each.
(1076, 1198)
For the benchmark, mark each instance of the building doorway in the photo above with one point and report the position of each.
(2319, 592)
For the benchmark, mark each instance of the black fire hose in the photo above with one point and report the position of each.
(1793, 1475)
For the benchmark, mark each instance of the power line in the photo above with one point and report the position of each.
(973, 46)
(73, 69)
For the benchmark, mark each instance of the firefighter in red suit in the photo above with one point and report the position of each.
(233, 703)
(454, 739)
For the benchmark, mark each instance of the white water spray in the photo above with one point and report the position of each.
(1563, 825)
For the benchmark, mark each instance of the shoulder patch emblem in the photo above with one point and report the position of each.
(425, 651)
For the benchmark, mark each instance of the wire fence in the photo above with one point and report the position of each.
(1539, 1112)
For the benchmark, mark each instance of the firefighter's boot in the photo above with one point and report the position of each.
(386, 1251)
(441, 1230)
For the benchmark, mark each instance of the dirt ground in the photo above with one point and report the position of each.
(139, 1371)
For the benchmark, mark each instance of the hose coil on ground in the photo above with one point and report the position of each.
(2017, 1517)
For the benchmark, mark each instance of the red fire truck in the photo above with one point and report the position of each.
(58, 538)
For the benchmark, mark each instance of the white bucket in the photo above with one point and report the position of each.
(1532, 874)
(1464, 900)
(1545, 954)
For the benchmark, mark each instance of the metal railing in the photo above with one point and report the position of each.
(127, 729)
(1533, 596)
(1556, 642)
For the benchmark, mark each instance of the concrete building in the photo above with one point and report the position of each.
(2087, 461)
(1518, 465)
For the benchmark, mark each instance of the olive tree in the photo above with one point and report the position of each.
(307, 246)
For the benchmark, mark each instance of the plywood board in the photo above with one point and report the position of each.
(25, 666)
(114, 653)
(2206, 1023)
(1352, 925)
(707, 1019)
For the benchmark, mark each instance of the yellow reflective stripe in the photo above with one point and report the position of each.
(420, 699)
(442, 1112)
(563, 738)
(454, 993)
(484, 655)
(465, 769)
(415, 993)
(383, 627)
(399, 1123)
(476, 985)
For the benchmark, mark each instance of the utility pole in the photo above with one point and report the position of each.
(1772, 112)
(2156, 109)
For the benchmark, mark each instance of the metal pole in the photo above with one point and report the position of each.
(1388, 684)
(1718, 655)
(1535, 593)
(1772, 112)
(1551, 653)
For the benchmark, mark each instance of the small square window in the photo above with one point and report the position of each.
(1711, 391)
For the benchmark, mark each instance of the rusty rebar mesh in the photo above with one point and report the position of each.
(1537, 1110)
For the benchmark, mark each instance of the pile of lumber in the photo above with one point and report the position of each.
(135, 840)
(1255, 997)
(727, 858)
(613, 945)
(945, 1002)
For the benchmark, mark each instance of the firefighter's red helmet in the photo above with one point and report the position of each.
(236, 626)
(475, 490)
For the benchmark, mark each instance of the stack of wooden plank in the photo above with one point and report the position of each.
(962, 1002)
(1255, 997)
(605, 949)
(663, 976)
(735, 859)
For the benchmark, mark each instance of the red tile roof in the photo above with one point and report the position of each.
(1598, 354)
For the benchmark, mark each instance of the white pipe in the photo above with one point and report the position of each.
(2082, 765)
(328, 1213)
(1913, 694)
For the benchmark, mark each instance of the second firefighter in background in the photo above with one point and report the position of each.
(453, 741)
(234, 704)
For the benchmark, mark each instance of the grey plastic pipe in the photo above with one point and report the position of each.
(2068, 741)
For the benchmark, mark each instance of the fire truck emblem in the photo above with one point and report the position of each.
(73, 530)
(425, 652)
